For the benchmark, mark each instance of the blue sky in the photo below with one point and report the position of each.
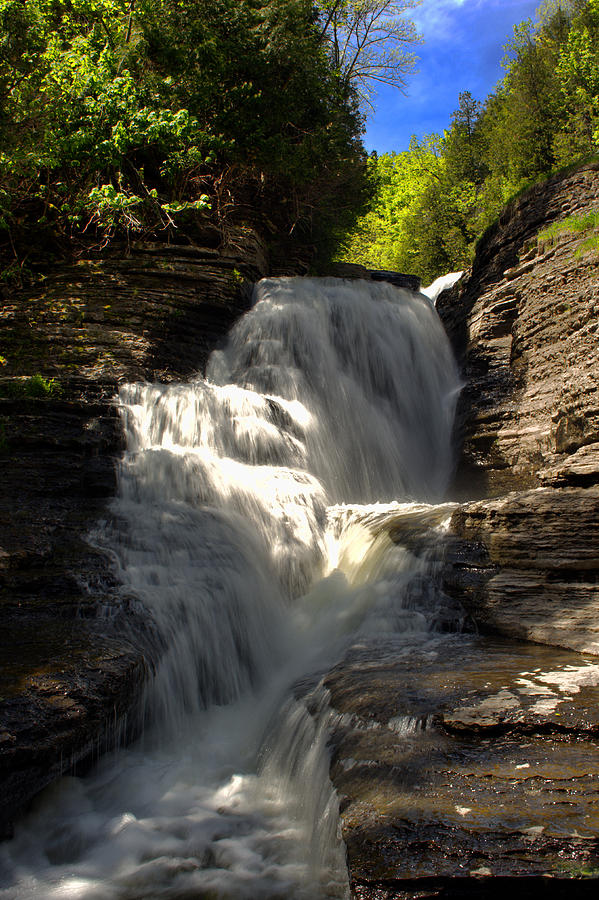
(462, 51)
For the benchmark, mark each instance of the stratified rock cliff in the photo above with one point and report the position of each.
(524, 326)
(466, 766)
(524, 323)
(70, 679)
(455, 759)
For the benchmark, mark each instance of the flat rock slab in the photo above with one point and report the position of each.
(463, 763)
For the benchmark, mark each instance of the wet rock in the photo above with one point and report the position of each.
(354, 270)
(524, 325)
(411, 282)
(527, 565)
(68, 692)
(464, 764)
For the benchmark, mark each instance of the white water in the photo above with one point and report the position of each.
(250, 526)
(440, 284)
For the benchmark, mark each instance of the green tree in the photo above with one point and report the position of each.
(578, 75)
(422, 220)
(531, 109)
(139, 115)
(433, 201)
(526, 112)
(465, 144)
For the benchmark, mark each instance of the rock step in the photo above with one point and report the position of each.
(463, 764)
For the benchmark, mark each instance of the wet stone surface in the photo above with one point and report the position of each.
(66, 695)
(468, 760)
(526, 565)
(523, 323)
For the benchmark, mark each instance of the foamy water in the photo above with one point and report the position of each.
(259, 524)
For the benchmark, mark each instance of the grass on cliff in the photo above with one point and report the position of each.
(587, 224)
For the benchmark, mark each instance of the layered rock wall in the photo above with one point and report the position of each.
(444, 753)
(73, 661)
(525, 326)
(462, 763)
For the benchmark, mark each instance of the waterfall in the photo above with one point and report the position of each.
(259, 525)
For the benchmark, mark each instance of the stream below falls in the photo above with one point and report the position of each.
(252, 526)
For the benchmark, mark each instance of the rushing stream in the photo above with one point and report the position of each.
(252, 524)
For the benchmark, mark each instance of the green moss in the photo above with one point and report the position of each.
(529, 185)
(591, 245)
(580, 870)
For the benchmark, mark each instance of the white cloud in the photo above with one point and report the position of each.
(433, 18)
(438, 19)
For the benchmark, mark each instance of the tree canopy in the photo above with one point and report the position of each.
(135, 116)
(369, 42)
(434, 200)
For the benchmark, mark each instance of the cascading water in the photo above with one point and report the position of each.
(233, 529)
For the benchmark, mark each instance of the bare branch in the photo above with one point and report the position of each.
(367, 41)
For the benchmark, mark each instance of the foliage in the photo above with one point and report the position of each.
(422, 220)
(434, 200)
(34, 387)
(584, 224)
(122, 117)
(578, 74)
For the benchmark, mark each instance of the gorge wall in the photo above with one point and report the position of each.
(524, 325)
(521, 555)
(70, 680)
(468, 768)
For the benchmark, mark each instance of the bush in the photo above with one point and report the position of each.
(123, 118)
(35, 387)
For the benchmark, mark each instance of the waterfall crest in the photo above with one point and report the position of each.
(249, 525)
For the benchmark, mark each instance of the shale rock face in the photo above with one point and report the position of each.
(527, 564)
(525, 326)
(152, 311)
(467, 766)
(147, 311)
